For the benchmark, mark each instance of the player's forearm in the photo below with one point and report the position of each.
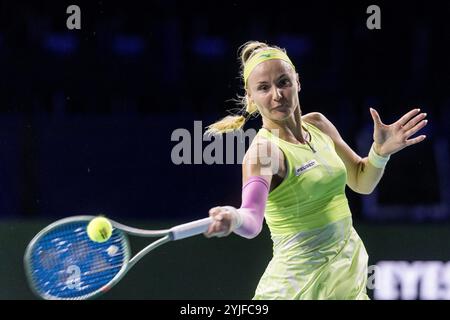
(367, 177)
(251, 223)
(370, 171)
(246, 221)
(251, 212)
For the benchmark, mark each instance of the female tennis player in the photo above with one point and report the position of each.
(294, 176)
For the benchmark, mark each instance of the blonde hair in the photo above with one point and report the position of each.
(237, 121)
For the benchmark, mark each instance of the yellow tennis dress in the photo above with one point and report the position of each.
(317, 254)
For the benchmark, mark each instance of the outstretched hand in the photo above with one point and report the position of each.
(389, 139)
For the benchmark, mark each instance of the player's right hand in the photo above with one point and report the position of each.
(224, 221)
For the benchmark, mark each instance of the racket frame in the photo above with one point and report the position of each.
(175, 233)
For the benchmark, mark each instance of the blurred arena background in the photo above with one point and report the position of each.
(86, 119)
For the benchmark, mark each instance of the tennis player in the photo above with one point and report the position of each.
(294, 175)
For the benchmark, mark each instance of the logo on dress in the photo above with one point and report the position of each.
(305, 167)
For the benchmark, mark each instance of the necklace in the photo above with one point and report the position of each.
(309, 144)
(311, 147)
(306, 140)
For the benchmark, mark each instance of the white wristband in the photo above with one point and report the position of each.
(376, 160)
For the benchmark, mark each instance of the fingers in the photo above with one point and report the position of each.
(375, 116)
(414, 121)
(416, 128)
(221, 224)
(413, 126)
(214, 211)
(418, 139)
(403, 120)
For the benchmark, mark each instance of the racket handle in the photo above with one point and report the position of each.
(190, 229)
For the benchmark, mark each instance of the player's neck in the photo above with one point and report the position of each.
(289, 130)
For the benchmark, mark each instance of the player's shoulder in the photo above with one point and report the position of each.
(315, 118)
(320, 121)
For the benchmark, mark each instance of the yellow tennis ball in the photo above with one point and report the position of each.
(99, 229)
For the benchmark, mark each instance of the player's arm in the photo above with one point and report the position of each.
(362, 176)
(262, 159)
(259, 164)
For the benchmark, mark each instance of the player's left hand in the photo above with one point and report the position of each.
(389, 139)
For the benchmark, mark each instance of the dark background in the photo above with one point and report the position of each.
(86, 116)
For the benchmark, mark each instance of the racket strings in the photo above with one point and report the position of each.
(66, 264)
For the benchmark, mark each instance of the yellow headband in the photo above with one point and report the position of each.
(262, 56)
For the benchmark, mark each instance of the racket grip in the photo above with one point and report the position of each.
(190, 229)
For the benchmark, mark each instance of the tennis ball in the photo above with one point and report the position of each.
(99, 229)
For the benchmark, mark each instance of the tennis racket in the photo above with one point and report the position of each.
(61, 262)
